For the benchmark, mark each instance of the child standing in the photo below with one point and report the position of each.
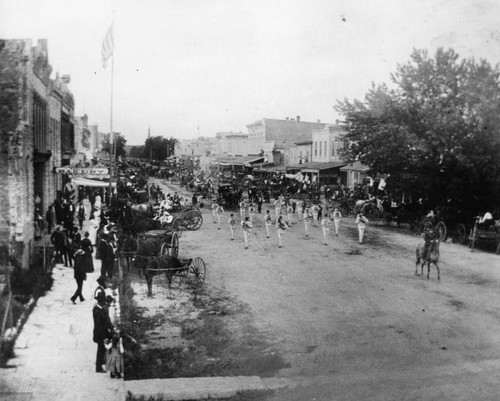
(289, 213)
(114, 357)
(232, 225)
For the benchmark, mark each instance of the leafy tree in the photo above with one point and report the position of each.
(120, 143)
(137, 152)
(436, 134)
(159, 147)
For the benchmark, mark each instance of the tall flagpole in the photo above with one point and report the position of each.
(112, 145)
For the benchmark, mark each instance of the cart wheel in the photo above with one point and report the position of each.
(441, 229)
(164, 249)
(174, 244)
(460, 234)
(198, 270)
(192, 220)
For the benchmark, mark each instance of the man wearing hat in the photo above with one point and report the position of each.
(103, 329)
(107, 255)
(80, 274)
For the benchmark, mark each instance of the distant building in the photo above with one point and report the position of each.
(87, 139)
(37, 132)
(275, 137)
(204, 146)
(327, 144)
(231, 144)
(299, 153)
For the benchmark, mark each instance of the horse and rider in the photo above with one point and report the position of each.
(428, 252)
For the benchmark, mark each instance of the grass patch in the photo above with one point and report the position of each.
(251, 395)
(222, 341)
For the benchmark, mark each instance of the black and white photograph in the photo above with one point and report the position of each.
(249, 200)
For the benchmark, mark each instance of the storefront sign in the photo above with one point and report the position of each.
(91, 172)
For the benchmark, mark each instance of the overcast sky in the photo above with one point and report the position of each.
(222, 64)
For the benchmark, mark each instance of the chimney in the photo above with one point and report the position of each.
(336, 122)
(318, 120)
(298, 119)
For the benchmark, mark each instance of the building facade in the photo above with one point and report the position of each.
(37, 135)
(87, 140)
(327, 144)
(231, 144)
(284, 134)
(204, 146)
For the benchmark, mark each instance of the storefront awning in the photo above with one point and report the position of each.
(92, 183)
(316, 167)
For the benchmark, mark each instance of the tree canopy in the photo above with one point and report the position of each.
(120, 143)
(159, 147)
(436, 133)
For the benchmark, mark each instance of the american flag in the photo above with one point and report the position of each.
(107, 46)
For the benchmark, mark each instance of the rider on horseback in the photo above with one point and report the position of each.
(429, 236)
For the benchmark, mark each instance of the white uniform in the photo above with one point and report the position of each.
(325, 225)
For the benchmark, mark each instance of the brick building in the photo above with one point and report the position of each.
(37, 135)
(275, 137)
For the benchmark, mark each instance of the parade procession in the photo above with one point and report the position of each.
(249, 201)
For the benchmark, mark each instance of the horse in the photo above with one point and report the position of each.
(152, 264)
(432, 257)
(365, 205)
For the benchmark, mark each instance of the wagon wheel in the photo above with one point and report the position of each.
(164, 249)
(192, 220)
(441, 229)
(459, 234)
(174, 245)
(198, 270)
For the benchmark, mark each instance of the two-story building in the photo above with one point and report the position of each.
(274, 137)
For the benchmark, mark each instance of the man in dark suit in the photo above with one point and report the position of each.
(102, 329)
(107, 255)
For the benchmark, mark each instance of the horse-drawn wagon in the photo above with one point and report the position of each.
(167, 242)
(488, 232)
(188, 218)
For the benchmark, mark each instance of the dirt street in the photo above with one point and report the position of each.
(354, 321)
